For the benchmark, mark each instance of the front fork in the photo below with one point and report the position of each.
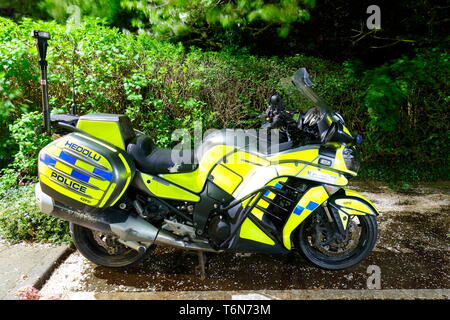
(336, 226)
(339, 207)
(338, 219)
(308, 203)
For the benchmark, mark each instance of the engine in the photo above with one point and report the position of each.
(219, 229)
(150, 209)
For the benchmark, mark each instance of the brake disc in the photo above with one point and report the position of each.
(329, 241)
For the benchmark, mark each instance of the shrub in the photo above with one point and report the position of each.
(407, 113)
(15, 75)
(23, 168)
(21, 220)
(23, 131)
(163, 86)
(400, 107)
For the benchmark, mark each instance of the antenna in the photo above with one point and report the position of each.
(73, 107)
(41, 43)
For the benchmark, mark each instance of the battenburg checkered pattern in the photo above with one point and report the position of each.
(278, 186)
(48, 160)
(311, 207)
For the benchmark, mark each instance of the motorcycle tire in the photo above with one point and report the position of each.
(85, 241)
(363, 247)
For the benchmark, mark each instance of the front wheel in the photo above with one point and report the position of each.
(322, 245)
(105, 250)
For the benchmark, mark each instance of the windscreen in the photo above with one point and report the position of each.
(301, 80)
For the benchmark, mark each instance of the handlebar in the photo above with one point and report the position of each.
(311, 126)
(318, 125)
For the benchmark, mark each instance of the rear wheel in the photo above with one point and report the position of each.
(105, 250)
(322, 245)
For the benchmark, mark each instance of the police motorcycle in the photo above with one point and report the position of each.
(241, 191)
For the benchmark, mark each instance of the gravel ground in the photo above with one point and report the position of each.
(412, 252)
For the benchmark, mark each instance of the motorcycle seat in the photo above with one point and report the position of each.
(154, 160)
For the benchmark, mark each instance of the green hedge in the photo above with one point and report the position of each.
(400, 107)
(408, 104)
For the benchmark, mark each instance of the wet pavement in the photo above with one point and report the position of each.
(412, 252)
(174, 270)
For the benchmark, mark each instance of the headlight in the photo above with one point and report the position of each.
(351, 159)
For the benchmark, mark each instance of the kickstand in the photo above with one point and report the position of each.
(201, 269)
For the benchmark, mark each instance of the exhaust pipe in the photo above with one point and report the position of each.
(131, 231)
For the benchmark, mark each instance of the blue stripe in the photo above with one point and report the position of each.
(278, 186)
(102, 173)
(312, 205)
(266, 193)
(46, 159)
(80, 176)
(298, 210)
(67, 157)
